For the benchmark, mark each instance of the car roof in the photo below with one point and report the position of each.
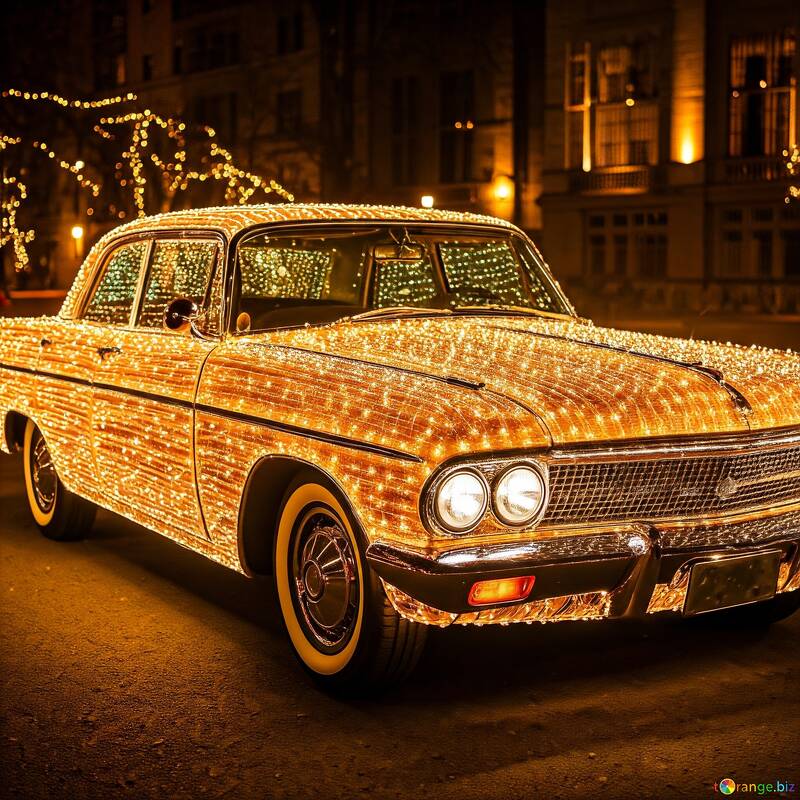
(233, 219)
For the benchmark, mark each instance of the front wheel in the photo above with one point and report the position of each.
(58, 513)
(339, 620)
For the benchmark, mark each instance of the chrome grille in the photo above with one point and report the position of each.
(665, 488)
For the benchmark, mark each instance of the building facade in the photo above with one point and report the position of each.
(666, 127)
(642, 144)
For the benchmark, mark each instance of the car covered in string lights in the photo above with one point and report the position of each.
(397, 413)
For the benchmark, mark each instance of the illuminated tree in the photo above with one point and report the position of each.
(129, 162)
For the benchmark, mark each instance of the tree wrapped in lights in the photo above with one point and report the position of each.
(159, 164)
(13, 192)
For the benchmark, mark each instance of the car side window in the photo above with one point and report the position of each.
(179, 269)
(112, 300)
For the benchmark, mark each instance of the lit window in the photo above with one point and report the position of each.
(761, 92)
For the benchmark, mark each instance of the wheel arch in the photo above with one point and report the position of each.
(14, 425)
(269, 479)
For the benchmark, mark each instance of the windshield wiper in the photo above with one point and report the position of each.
(396, 311)
(501, 309)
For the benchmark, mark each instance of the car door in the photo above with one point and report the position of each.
(144, 389)
(70, 353)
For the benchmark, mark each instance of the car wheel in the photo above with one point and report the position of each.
(341, 624)
(757, 615)
(59, 514)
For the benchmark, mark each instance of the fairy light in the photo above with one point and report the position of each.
(491, 264)
(76, 169)
(140, 148)
(14, 192)
(333, 380)
(52, 97)
(792, 157)
(284, 272)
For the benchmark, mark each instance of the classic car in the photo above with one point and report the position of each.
(398, 415)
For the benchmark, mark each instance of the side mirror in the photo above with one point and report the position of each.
(180, 314)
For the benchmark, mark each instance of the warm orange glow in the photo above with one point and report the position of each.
(503, 590)
(687, 150)
(382, 384)
(77, 232)
(688, 83)
(502, 187)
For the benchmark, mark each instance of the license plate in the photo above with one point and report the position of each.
(729, 582)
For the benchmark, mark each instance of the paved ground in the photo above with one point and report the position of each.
(132, 668)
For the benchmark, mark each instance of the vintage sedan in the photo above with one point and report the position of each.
(397, 414)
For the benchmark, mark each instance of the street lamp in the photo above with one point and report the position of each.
(502, 187)
(77, 237)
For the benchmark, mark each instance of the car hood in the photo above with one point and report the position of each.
(582, 382)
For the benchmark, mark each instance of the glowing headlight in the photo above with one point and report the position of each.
(461, 500)
(519, 495)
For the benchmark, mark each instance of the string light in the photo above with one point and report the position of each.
(14, 192)
(74, 169)
(63, 101)
(793, 168)
(241, 186)
(548, 379)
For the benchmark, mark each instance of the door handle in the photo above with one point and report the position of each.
(104, 352)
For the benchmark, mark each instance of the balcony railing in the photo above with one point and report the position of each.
(762, 169)
(612, 180)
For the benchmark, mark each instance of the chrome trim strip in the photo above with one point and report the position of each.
(646, 558)
(320, 436)
(666, 447)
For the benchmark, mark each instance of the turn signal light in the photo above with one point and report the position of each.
(503, 590)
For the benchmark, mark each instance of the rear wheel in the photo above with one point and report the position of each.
(339, 620)
(59, 514)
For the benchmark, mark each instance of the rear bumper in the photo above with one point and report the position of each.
(629, 571)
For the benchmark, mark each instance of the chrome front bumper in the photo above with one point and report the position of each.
(629, 571)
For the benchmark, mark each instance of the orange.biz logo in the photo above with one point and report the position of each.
(728, 786)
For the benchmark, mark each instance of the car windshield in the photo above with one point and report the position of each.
(325, 274)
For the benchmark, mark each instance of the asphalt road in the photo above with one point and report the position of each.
(130, 667)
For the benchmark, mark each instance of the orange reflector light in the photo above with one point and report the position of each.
(503, 590)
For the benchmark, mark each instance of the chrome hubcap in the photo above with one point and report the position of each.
(43, 476)
(325, 580)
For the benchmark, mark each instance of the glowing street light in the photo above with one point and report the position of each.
(426, 201)
(502, 187)
(77, 238)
